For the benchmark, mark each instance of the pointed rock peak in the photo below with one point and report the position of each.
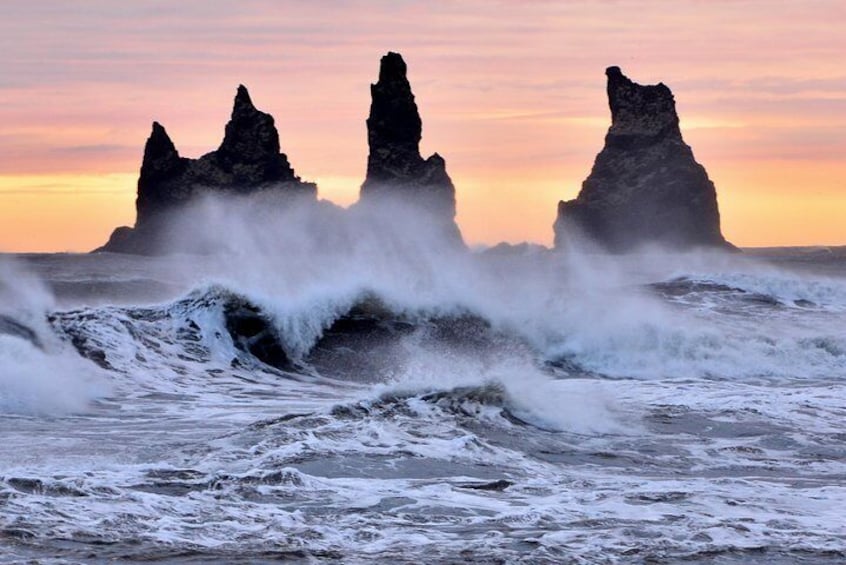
(159, 132)
(243, 100)
(159, 144)
(160, 160)
(393, 127)
(250, 136)
(394, 164)
(248, 161)
(392, 68)
(436, 158)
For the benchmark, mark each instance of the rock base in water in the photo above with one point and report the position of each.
(645, 186)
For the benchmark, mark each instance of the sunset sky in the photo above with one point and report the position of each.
(512, 94)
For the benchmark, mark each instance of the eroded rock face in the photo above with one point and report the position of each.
(645, 186)
(395, 168)
(248, 160)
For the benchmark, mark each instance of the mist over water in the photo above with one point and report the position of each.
(295, 380)
(310, 264)
(39, 375)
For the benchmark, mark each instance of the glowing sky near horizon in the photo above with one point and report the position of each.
(512, 94)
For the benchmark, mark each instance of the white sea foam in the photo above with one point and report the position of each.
(34, 382)
(571, 405)
(23, 296)
(659, 426)
(39, 375)
(305, 264)
(790, 289)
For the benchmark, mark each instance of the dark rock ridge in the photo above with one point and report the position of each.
(395, 167)
(645, 186)
(248, 160)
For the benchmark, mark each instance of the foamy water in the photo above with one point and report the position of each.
(349, 387)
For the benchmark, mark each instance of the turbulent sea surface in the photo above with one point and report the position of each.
(410, 405)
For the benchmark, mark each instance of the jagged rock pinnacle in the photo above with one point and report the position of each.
(159, 152)
(394, 127)
(645, 185)
(242, 99)
(251, 138)
(394, 164)
(247, 160)
(161, 162)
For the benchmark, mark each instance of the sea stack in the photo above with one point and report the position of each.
(395, 167)
(248, 160)
(645, 186)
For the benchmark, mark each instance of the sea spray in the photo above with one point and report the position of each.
(39, 374)
(513, 382)
(305, 264)
(504, 421)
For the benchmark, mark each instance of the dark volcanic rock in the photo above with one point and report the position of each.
(248, 160)
(159, 184)
(395, 167)
(645, 186)
(249, 155)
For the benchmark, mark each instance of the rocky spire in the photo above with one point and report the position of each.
(243, 102)
(394, 164)
(645, 185)
(247, 160)
(640, 111)
(161, 162)
(394, 126)
(160, 154)
(251, 139)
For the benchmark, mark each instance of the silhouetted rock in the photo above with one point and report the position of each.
(395, 167)
(645, 186)
(160, 185)
(248, 160)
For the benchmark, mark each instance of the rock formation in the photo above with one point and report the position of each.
(395, 167)
(645, 186)
(248, 160)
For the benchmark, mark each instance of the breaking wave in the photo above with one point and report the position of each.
(346, 402)
(39, 374)
(367, 336)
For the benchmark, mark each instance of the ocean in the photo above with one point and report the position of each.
(358, 397)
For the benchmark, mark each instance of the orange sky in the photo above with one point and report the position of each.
(512, 94)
